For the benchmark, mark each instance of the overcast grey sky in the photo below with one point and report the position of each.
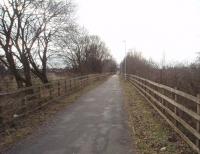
(150, 26)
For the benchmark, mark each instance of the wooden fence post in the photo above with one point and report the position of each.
(74, 83)
(198, 123)
(162, 100)
(1, 117)
(70, 84)
(145, 89)
(175, 109)
(81, 83)
(58, 88)
(50, 90)
(7, 87)
(87, 81)
(65, 86)
(40, 92)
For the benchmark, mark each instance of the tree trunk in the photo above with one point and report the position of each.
(13, 69)
(44, 78)
(27, 71)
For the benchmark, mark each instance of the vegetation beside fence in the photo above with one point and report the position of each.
(184, 76)
(16, 104)
(150, 132)
(181, 110)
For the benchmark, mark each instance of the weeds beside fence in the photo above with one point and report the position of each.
(7, 85)
(16, 104)
(179, 109)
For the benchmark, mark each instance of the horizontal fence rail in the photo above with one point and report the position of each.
(21, 102)
(181, 110)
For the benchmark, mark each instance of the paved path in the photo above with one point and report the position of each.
(94, 124)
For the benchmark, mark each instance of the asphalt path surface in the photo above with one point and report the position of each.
(94, 124)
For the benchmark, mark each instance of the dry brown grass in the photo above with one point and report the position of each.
(151, 133)
(8, 83)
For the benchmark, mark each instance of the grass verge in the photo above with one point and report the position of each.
(27, 125)
(151, 133)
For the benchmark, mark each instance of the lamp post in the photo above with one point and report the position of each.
(125, 60)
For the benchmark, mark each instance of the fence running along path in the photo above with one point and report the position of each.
(16, 104)
(181, 110)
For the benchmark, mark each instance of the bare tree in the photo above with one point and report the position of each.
(185, 77)
(82, 52)
(27, 28)
(49, 23)
(2, 70)
(109, 65)
(95, 54)
(8, 16)
(72, 45)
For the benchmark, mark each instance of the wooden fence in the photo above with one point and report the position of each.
(16, 104)
(181, 110)
(7, 85)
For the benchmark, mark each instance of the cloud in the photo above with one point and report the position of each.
(152, 26)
